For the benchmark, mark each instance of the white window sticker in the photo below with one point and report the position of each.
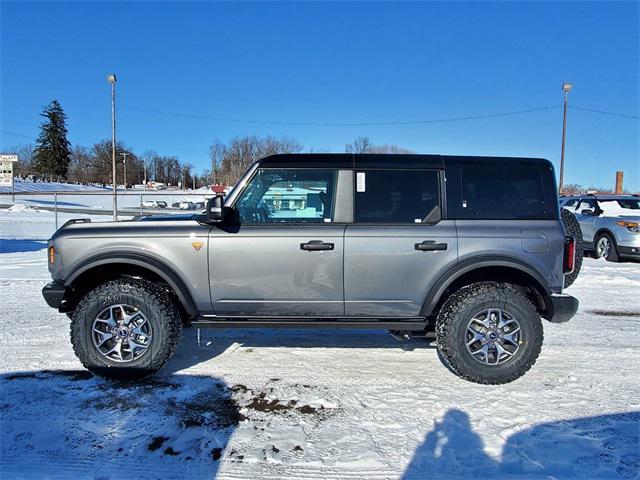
(360, 182)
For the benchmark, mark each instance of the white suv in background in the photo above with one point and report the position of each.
(610, 224)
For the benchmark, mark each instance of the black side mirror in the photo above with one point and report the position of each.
(215, 211)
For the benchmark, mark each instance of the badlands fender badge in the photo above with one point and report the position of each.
(197, 246)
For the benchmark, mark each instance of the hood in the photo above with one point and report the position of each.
(151, 225)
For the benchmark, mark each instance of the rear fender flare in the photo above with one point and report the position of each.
(450, 276)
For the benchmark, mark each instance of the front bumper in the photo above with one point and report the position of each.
(562, 308)
(631, 253)
(53, 293)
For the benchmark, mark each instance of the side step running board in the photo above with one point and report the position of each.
(269, 323)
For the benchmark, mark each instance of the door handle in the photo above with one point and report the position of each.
(430, 245)
(315, 245)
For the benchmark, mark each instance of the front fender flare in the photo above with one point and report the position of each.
(141, 260)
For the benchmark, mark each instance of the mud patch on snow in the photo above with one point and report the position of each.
(156, 443)
(265, 401)
(211, 409)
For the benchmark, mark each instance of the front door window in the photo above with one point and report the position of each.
(288, 196)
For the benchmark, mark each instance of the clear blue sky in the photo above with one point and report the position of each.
(333, 62)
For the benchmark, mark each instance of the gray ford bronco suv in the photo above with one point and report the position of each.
(469, 250)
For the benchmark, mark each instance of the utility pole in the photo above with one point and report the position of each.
(124, 162)
(112, 80)
(144, 165)
(565, 89)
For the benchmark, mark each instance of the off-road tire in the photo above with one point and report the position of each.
(158, 307)
(452, 322)
(572, 227)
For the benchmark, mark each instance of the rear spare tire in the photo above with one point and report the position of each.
(572, 227)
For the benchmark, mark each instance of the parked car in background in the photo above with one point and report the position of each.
(184, 205)
(154, 204)
(610, 224)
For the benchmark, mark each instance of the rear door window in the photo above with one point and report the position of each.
(397, 196)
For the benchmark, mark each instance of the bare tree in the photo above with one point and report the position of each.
(217, 152)
(365, 145)
(386, 148)
(80, 164)
(25, 155)
(230, 161)
(360, 145)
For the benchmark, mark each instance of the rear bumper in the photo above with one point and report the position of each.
(53, 294)
(562, 308)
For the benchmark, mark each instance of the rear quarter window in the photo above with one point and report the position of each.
(501, 190)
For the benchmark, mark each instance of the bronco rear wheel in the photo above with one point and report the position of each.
(125, 329)
(489, 333)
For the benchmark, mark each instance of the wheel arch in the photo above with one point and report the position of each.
(487, 269)
(101, 268)
(602, 230)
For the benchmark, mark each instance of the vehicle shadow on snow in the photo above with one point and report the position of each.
(605, 446)
(19, 246)
(72, 424)
(217, 342)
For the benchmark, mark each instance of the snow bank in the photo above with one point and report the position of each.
(21, 208)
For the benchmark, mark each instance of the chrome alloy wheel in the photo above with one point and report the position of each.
(493, 336)
(121, 333)
(603, 246)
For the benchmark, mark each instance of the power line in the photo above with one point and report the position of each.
(341, 124)
(593, 110)
(15, 134)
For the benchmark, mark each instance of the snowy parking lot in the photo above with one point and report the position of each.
(316, 403)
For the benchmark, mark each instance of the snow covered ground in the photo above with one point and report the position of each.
(301, 404)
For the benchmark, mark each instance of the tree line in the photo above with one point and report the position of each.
(53, 158)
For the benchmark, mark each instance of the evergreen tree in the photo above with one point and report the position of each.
(53, 152)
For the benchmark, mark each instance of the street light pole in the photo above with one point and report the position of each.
(565, 89)
(112, 80)
(124, 162)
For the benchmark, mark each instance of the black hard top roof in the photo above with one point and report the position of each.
(377, 160)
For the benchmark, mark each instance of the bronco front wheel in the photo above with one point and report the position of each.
(489, 333)
(125, 329)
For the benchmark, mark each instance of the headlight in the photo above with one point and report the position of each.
(631, 226)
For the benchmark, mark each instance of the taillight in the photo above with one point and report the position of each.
(569, 262)
(52, 256)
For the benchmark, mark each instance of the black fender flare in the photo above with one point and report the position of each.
(466, 266)
(141, 260)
